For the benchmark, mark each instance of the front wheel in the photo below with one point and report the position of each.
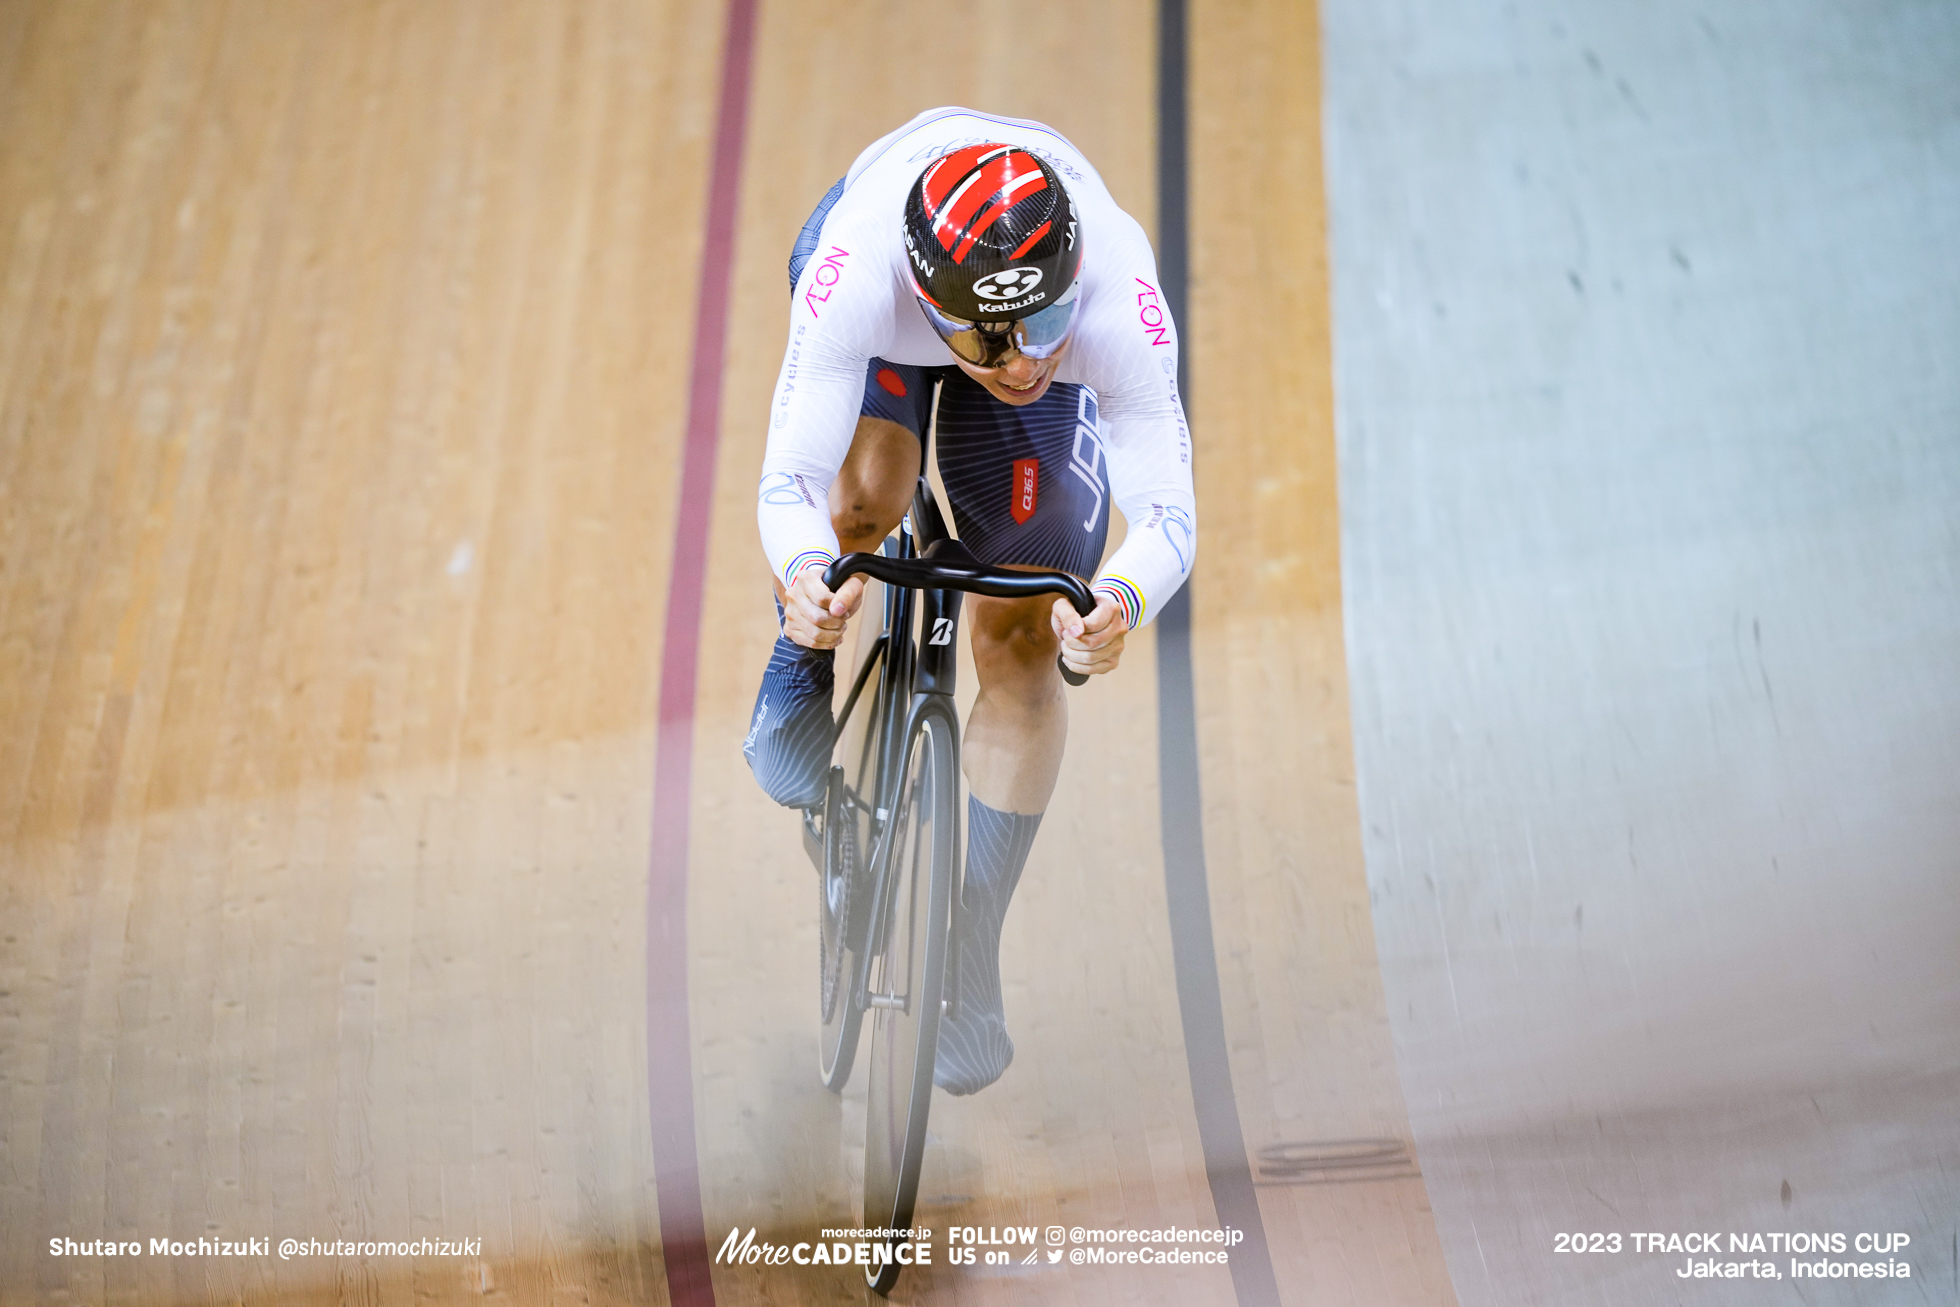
(909, 940)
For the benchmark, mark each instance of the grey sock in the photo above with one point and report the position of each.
(973, 1045)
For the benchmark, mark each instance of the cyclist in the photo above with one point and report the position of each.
(992, 245)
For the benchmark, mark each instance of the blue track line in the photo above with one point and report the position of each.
(1185, 881)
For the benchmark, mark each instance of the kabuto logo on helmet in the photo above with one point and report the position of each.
(1012, 284)
(990, 223)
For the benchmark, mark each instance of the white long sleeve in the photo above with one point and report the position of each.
(854, 302)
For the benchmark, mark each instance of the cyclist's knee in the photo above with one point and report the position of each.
(790, 761)
(790, 780)
(1014, 646)
(788, 742)
(874, 486)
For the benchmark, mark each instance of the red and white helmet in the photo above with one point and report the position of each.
(994, 251)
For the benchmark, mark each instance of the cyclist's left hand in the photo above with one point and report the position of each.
(1093, 644)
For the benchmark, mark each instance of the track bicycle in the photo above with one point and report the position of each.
(886, 842)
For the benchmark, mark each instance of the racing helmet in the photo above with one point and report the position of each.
(994, 253)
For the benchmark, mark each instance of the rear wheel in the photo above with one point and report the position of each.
(908, 944)
(843, 890)
(838, 1014)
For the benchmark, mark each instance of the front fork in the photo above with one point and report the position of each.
(938, 662)
(934, 674)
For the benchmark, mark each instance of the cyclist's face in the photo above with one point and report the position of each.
(1020, 380)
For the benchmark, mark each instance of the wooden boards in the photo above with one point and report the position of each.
(343, 357)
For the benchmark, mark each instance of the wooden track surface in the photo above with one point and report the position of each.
(343, 353)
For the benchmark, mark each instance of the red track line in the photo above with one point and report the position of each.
(670, 1074)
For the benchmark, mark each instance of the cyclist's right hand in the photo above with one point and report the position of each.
(813, 616)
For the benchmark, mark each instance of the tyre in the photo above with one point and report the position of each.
(839, 896)
(843, 888)
(908, 943)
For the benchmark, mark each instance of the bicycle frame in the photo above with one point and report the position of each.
(930, 671)
(926, 574)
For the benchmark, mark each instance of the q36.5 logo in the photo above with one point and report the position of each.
(1009, 285)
